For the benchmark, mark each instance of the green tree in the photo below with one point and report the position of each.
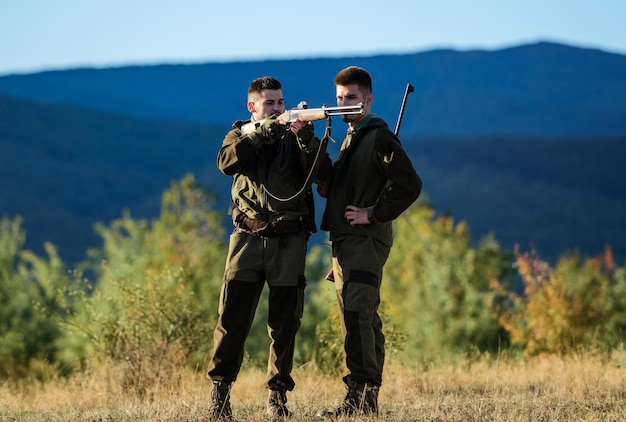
(157, 288)
(437, 286)
(29, 287)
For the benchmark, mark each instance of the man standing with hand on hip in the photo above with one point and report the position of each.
(373, 182)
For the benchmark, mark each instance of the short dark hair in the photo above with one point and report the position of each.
(354, 75)
(262, 83)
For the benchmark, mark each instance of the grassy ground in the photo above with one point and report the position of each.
(584, 388)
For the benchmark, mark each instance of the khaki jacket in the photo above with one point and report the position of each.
(262, 173)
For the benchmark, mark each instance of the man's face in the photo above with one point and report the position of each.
(268, 103)
(349, 95)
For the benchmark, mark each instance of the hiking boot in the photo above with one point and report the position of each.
(220, 402)
(360, 400)
(370, 404)
(276, 406)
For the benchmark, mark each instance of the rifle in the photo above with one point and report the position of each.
(407, 91)
(306, 114)
(409, 88)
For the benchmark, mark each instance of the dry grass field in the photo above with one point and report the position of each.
(587, 388)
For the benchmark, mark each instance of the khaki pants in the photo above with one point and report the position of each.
(358, 263)
(251, 262)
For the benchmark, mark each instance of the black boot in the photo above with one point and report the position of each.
(370, 403)
(276, 405)
(360, 400)
(220, 402)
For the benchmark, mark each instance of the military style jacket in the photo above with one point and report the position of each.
(266, 177)
(374, 170)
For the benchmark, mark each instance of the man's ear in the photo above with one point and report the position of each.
(251, 107)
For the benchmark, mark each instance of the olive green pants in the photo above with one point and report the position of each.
(358, 263)
(251, 262)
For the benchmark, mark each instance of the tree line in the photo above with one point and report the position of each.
(147, 298)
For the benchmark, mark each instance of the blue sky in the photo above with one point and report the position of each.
(40, 35)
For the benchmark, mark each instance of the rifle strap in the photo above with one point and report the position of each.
(314, 168)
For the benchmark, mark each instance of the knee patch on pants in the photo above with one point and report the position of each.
(361, 292)
(289, 300)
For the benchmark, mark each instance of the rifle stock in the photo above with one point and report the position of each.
(306, 115)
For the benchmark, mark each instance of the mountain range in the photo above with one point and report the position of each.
(524, 142)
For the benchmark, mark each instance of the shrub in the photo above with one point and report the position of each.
(577, 304)
(29, 287)
(437, 286)
(157, 287)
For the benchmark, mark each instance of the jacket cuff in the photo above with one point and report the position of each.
(370, 216)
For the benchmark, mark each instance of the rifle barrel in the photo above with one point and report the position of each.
(307, 115)
(407, 91)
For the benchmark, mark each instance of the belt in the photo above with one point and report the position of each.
(264, 229)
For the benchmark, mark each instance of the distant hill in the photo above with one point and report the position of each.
(556, 194)
(64, 168)
(542, 89)
(526, 142)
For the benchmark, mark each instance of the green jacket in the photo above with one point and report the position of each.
(260, 171)
(373, 170)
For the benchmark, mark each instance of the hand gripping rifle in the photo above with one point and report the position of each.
(306, 114)
(409, 88)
